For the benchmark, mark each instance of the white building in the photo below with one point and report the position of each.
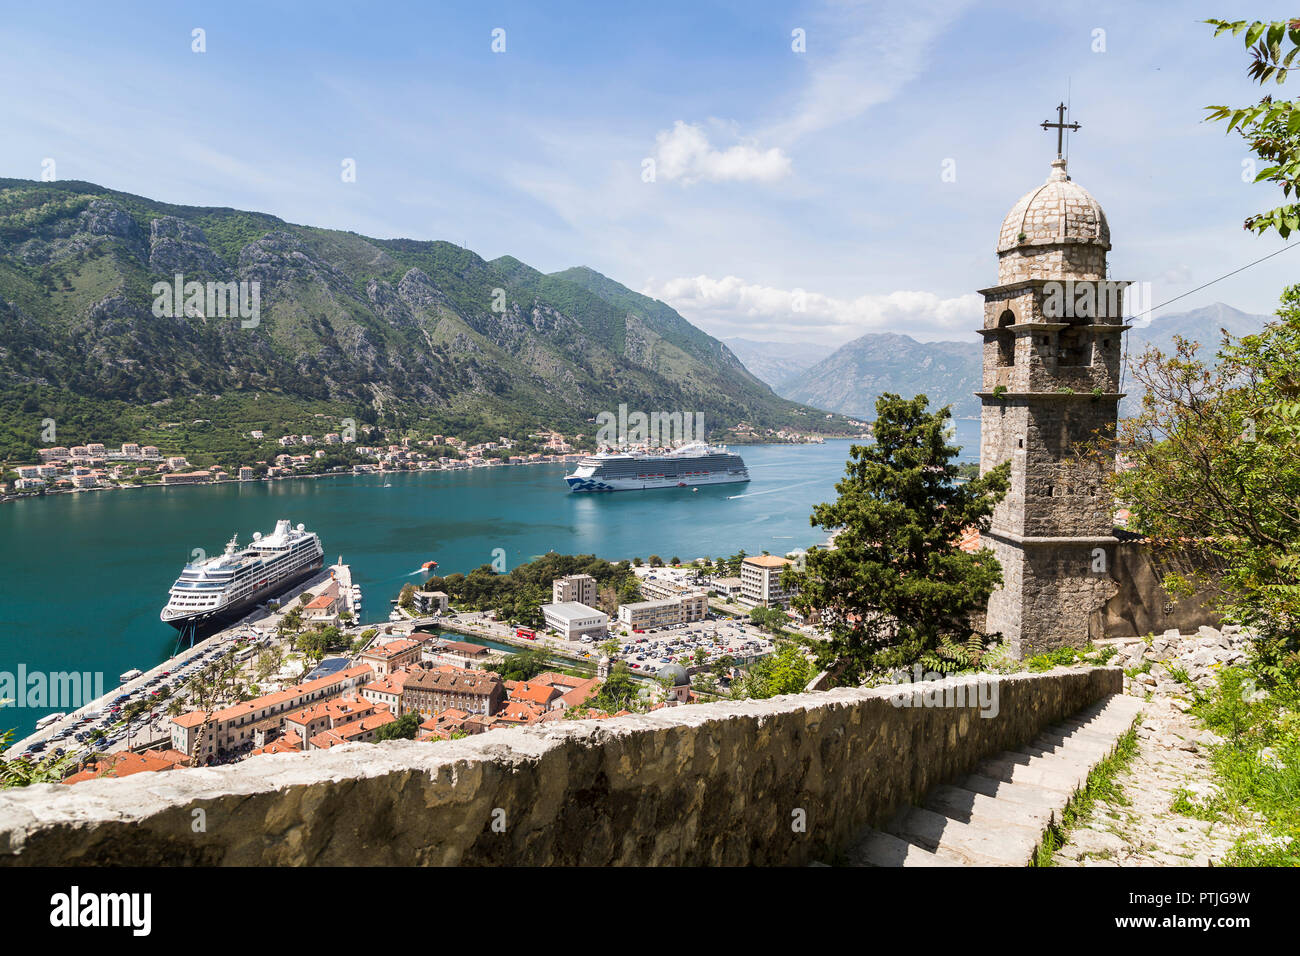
(760, 580)
(572, 620)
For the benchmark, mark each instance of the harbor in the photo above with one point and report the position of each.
(466, 518)
(256, 630)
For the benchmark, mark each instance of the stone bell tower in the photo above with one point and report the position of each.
(1052, 351)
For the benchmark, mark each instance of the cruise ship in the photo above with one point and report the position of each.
(687, 466)
(222, 589)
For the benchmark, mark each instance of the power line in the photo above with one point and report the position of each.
(1212, 281)
(1124, 362)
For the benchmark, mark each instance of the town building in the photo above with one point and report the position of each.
(574, 588)
(683, 609)
(384, 659)
(573, 620)
(231, 728)
(430, 602)
(430, 691)
(760, 580)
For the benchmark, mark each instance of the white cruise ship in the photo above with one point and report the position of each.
(687, 466)
(222, 589)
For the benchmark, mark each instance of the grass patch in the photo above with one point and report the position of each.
(1257, 767)
(1100, 786)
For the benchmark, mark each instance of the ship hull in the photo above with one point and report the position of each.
(598, 484)
(207, 622)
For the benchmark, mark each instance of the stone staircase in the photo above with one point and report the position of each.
(997, 815)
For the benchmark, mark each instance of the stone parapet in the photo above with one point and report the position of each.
(770, 782)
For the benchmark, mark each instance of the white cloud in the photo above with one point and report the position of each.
(872, 51)
(732, 306)
(685, 153)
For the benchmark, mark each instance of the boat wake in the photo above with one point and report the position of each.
(772, 491)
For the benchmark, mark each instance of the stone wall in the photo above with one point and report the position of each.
(724, 783)
(1142, 606)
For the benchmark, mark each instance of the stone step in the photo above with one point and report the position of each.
(885, 849)
(1030, 795)
(972, 844)
(967, 806)
(996, 816)
(1060, 772)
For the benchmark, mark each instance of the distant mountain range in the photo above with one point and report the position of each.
(393, 330)
(851, 378)
(777, 362)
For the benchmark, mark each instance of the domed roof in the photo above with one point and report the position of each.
(675, 673)
(1058, 211)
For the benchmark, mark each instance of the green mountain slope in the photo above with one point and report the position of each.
(394, 331)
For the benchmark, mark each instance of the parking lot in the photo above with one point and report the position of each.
(716, 637)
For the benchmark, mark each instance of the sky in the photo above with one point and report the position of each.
(799, 172)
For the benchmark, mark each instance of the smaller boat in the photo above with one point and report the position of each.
(428, 565)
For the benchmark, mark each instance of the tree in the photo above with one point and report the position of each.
(896, 584)
(524, 665)
(403, 728)
(788, 671)
(1214, 477)
(619, 691)
(656, 561)
(1271, 128)
(406, 598)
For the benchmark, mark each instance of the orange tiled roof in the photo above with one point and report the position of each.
(195, 717)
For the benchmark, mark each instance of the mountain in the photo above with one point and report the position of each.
(1204, 325)
(850, 380)
(777, 362)
(395, 331)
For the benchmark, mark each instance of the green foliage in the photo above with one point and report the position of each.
(771, 619)
(518, 595)
(1257, 767)
(788, 671)
(524, 665)
(23, 771)
(897, 584)
(953, 658)
(619, 691)
(1215, 476)
(403, 728)
(1271, 128)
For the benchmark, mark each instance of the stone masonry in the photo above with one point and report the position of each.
(1052, 350)
(786, 781)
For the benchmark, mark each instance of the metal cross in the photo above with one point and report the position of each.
(1060, 126)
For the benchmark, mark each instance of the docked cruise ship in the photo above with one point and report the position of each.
(687, 466)
(222, 589)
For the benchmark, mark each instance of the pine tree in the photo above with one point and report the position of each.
(896, 584)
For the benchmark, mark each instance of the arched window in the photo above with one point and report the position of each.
(1006, 339)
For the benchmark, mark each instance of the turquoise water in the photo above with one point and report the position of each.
(85, 575)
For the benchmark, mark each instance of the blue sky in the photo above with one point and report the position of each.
(775, 171)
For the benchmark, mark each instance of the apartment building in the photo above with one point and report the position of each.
(760, 580)
(574, 588)
(232, 727)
